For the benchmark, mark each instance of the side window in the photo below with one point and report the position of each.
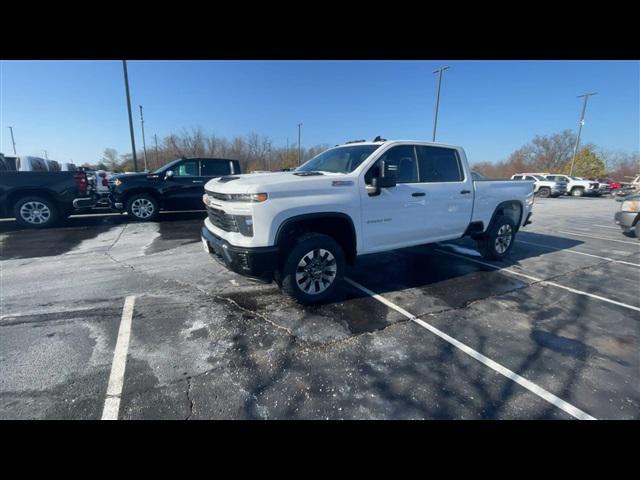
(188, 168)
(517, 177)
(38, 165)
(528, 177)
(215, 168)
(403, 156)
(438, 164)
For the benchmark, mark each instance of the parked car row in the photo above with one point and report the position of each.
(555, 185)
(39, 196)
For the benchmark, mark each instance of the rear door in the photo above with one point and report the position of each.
(449, 192)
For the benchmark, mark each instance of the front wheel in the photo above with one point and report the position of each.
(314, 268)
(497, 241)
(577, 192)
(143, 207)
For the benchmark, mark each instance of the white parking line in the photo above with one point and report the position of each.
(568, 250)
(606, 226)
(495, 366)
(542, 281)
(637, 244)
(116, 379)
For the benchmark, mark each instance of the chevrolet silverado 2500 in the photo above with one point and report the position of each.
(303, 227)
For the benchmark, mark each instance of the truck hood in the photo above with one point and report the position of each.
(275, 182)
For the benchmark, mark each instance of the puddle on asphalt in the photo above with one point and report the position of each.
(176, 230)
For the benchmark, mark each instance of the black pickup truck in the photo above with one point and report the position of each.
(178, 185)
(41, 199)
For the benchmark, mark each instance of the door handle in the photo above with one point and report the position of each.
(197, 181)
(463, 192)
(418, 194)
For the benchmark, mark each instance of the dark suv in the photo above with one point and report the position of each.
(179, 185)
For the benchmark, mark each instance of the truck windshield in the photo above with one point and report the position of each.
(338, 160)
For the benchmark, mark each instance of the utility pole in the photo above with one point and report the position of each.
(133, 141)
(435, 116)
(144, 144)
(299, 149)
(13, 141)
(45, 155)
(580, 124)
(155, 139)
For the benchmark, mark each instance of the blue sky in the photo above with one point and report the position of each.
(76, 109)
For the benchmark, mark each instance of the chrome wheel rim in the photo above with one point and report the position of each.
(316, 271)
(503, 240)
(142, 208)
(35, 213)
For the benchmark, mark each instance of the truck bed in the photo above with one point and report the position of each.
(489, 193)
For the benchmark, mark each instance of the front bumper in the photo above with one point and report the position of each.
(626, 220)
(257, 262)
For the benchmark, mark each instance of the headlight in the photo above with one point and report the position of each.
(247, 197)
(632, 206)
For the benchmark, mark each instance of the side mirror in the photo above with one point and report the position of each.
(168, 174)
(387, 179)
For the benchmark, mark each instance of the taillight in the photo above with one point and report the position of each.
(81, 181)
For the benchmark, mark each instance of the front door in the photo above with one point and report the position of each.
(395, 217)
(183, 191)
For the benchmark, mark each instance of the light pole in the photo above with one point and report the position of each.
(580, 124)
(13, 141)
(435, 116)
(144, 144)
(155, 139)
(299, 150)
(133, 141)
(46, 156)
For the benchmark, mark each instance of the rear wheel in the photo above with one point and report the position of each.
(313, 270)
(544, 192)
(497, 241)
(143, 207)
(35, 212)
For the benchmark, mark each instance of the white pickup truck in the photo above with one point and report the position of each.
(303, 227)
(542, 187)
(577, 186)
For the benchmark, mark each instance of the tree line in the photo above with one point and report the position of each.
(545, 153)
(253, 151)
(554, 154)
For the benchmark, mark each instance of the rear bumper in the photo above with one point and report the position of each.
(626, 220)
(258, 262)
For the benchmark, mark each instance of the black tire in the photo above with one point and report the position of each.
(299, 284)
(577, 192)
(501, 233)
(143, 207)
(544, 192)
(36, 212)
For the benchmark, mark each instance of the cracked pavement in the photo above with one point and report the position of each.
(209, 344)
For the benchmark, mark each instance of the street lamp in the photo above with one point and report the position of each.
(580, 124)
(144, 144)
(435, 116)
(133, 141)
(299, 149)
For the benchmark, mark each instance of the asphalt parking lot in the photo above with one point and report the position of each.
(431, 332)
